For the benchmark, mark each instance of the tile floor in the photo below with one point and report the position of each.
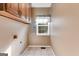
(37, 51)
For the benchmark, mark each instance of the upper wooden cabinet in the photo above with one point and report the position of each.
(2, 7)
(13, 8)
(17, 11)
(25, 9)
(28, 7)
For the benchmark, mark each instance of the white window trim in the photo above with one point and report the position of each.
(45, 34)
(37, 22)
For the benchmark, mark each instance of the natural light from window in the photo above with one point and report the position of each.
(42, 25)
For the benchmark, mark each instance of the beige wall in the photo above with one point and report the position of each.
(39, 40)
(9, 28)
(33, 38)
(65, 29)
(40, 11)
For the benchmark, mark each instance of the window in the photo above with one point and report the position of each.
(42, 25)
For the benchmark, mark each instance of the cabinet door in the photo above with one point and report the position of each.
(25, 8)
(22, 9)
(12, 8)
(2, 7)
(28, 13)
(29, 10)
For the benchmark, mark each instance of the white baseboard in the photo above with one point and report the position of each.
(39, 46)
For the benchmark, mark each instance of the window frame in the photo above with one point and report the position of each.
(48, 25)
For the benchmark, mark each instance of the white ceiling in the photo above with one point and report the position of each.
(36, 5)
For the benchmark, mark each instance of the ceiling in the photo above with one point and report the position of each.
(37, 5)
